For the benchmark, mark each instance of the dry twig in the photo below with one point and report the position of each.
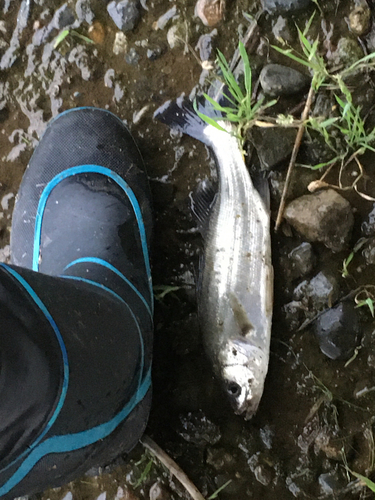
(173, 468)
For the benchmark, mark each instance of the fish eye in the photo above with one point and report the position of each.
(234, 389)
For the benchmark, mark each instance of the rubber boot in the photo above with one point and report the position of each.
(76, 306)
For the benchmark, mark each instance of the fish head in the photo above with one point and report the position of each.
(243, 371)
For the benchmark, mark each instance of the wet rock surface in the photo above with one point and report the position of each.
(125, 14)
(324, 216)
(338, 331)
(285, 5)
(273, 145)
(278, 80)
(313, 407)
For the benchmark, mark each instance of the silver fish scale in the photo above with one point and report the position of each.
(236, 293)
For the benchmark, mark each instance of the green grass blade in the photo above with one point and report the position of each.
(247, 69)
(60, 37)
(82, 37)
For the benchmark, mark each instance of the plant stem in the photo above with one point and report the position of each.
(171, 465)
(293, 158)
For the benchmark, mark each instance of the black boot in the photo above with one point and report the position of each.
(75, 306)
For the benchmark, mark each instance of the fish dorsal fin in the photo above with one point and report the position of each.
(240, 315)
(202, 201)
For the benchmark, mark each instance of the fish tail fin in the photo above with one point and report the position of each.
(180, 115)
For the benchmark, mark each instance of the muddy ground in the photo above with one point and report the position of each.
(316, 413)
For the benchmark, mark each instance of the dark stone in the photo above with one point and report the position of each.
(324, 216)
(63, 17)
(125, 14)
(282, 30)
(338, 331)
(277, 80)
(316, 293)
(205, 46)
(285, 5)
(369, 251)
(368, 225)
(299, 262)
(84, 11)
(293, 314)
(273, 145)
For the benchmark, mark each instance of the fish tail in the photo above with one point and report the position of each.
(180, 115)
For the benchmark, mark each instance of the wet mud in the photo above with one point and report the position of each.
(316, 417)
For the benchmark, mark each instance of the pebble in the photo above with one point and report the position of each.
(369, 251)
(285, 5)
(132, 57)
(97, 32)
(162, 22)
(317, 293)
(348, 52)
(324, 216)
(330, 483)
(338, 330)
(273, 145)
(125, 14)
(63, 17)
(368, 225)
(120, 45)
(299, 261)
(84, 11)
(210, 12)
(205, 46)
(278, 80)
(360, 20)
(281, 30)
(293, 314)
(159, 492)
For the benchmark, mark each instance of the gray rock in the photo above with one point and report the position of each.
(338, 331)
(132, 57)
(299, 262)
(368, 225)
(84, 11)
(316, 293)
(285, 5)
(273, 145)
(281, 30)
(369, 251)
(324, 216)
(277, 80)
(63, 17)
(125, 14)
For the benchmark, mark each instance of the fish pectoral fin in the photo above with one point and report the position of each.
(244, 324)
(202, 201)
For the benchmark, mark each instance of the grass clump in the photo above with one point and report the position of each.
(242, 111)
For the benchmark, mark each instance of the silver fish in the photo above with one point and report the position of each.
(236, 285)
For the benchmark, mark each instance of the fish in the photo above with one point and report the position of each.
(235, 292)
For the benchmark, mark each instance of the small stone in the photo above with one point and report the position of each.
(63, 17)
(97, 32)
(273, 145)
(369, 251)
(317, 293)
(220, 459)
(125, 14)
(285, 5)
(348, 52)
(324, 216)
(368, 225)
(84, 11)
(299, 262)
(205, 46)
(278, 80)
(176, 35)
(120, 45)
(161, 23)
(132, 57)
(293, 314)
(360, 20)
(210, 12)
(282, 31)
(330, 483)
(338, 331)
(154, 52)
(159, 492)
